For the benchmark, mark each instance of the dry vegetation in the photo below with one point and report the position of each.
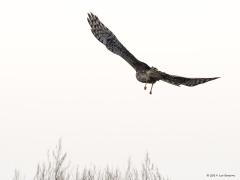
(57, 168)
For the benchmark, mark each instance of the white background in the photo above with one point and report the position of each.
(57, 80)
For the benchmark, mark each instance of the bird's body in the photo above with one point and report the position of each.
(144, 73)
(147, 76)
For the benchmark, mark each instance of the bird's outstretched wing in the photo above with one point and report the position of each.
(105, 36)
(178, 80)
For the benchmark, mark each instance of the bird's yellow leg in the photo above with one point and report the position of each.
(151, 89)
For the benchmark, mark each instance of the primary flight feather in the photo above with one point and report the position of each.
(144, 73)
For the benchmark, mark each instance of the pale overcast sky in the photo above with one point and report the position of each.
(57, 80)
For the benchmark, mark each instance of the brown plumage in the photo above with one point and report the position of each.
(144, 73)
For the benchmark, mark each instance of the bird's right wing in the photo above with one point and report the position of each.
(178, 80)
(105, 36)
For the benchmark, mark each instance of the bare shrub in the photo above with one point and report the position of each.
(57, 168)
(54, 168)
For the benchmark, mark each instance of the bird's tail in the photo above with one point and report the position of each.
(178, 80)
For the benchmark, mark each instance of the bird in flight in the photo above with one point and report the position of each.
(144, 73)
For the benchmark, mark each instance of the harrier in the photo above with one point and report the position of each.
(144, 73)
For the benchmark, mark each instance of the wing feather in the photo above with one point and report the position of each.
(178, 80)
(105, 36)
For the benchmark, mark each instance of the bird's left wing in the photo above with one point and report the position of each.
(105, 36)
(179, 80)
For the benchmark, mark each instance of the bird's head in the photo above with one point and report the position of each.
(142, 67)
